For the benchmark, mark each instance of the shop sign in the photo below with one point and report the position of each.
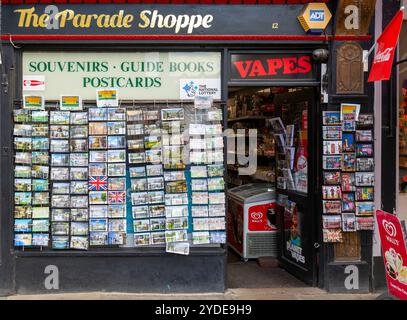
(249, 67)
(257, 218)
(135, 75)
(137, 19)
(33, 83)
(353, 17)
(394, 253)
(315, 17)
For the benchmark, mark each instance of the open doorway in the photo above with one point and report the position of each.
(271, 214)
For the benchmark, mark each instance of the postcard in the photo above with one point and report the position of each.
(142, 239)
(116, 211)
(364, 179)
(21, 115)
(140, 212)
(200, 224)
(365, 120)
(200, 237)
(365, 164)
(332, 147)
(348, 161)
(364, 208)
(331, 222)
(97, 156)
(174, 199)
(117, 238)
(136, 172)
(216, 210)
(60, 215)
(78, 118)
(348, 142)
(23, 130)
(176, 186)
(59, 117)
(157, 211)
(97, 169)
(198, 157)
(22, 212)
(364, 150)
(97, 114)
(332, 132)
(218, 223)
(332, 177)
(97, 197)
(22, 240)
(199, 185)
(116, 155)
(60, 242)
(215, 170)
(116, 114)
(23, 225)
(157, 238)
(97, 128)
(116, 197)
(176, 236)
(40, 198)
(22, 198)
(134, 115)
(365, 223)
(79, 132)
(61, 201)
(59, 173)
(152, 129)
(348, 202)
(23, 157)
(79, 228)
(98, 238)
(79, 243)
(218, 236)
(98, 211)
(79, 214)
(22, 184)
(331, 192)
(364, 135)
(135, 144)
(40, 239)
(78, 145)
(150, 114)
(152, 142)
(157, 224)
(197, 129)
(117, 225)
(116, 169)
(214, 115)
(177, 248)
(23, 143)
(172, 127)
(348, 182)
(78, 173)
(139, 184)
(41, 172)
(59, 132)
(200, 198)
(329, 206)
(41, 130)
(135, 129)
(216, 184)
(153, 156)
(155, 197)
(350, 111)
(348, 222)
(116, 128)
(156, 183)
(98, 224)
(59, 159)
(107, 98)
(172, 114)
(40, 157)
(215, 156)
(139, 198)
(78, 159)
(39, 116)
(176, 211)
(141, 225)
(98, 142)
(364, 193)
(197, 143)
(60, 228)
(59, 145)
(79, 201)
(117, 184)
(40, 185)
(116, 142)
(22, 172)
(331, 117)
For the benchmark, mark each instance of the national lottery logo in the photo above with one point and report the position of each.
(190, 89)
(317, 15)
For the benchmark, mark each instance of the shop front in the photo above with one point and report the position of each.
(117, 122)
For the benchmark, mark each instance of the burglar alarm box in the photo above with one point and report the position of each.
(252, 230)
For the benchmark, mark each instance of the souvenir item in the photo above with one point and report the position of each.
(348, 202)
(348, 182)
(329, 206)
(331, 192)
(332, 177)
(331, 117)
(332, 147)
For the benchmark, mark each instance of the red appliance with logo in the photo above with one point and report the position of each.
(252, 230)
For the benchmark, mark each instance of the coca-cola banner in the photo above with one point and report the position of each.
(386, 45)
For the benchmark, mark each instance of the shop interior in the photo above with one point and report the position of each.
(252, 235)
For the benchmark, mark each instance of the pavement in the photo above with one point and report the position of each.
(231, 294)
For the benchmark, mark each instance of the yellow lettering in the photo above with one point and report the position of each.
(103, 21)
(144, 18)
(43, 20)
(128, 19)
(65, 16)
(25, 16)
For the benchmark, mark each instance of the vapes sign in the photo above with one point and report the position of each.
(271, 67)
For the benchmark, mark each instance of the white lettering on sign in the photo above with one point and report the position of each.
(383, 56)
(352, 20)
(296, 252)
(352, 281)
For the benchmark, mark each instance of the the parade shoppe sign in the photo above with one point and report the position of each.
(136, 75)
(138, 19)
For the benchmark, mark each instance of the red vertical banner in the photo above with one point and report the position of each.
(394, 253)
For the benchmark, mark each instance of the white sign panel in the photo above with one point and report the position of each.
(33, 83)
(191, 88)
(136, 75)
